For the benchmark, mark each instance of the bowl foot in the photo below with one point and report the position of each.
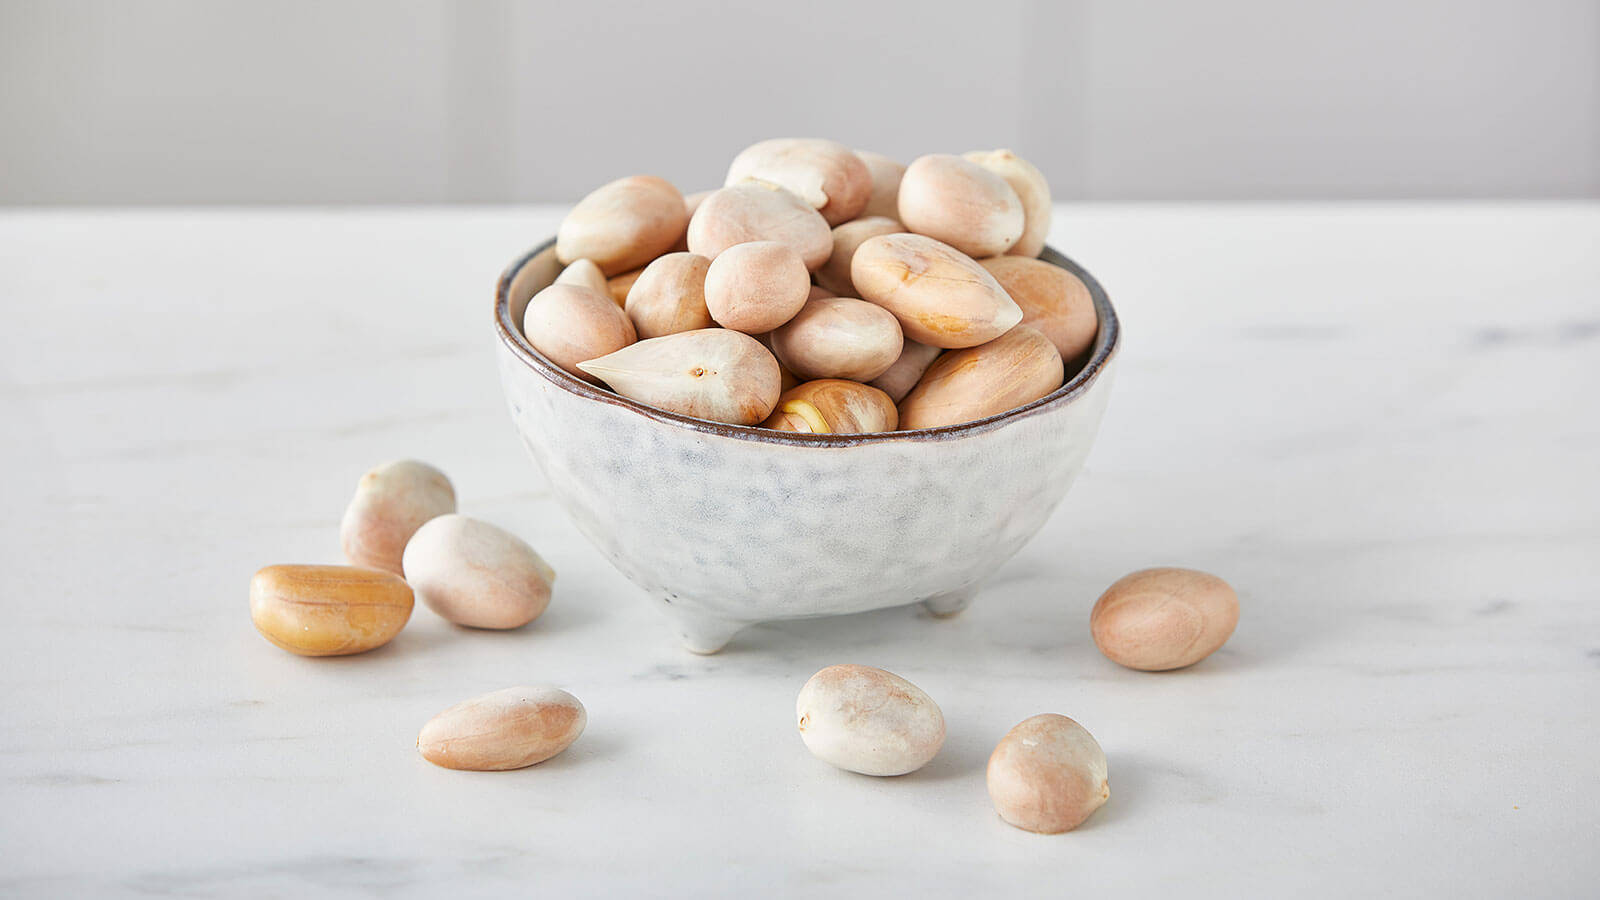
(943, 606)
(705, 634)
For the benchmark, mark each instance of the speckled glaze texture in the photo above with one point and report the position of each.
(725, 526)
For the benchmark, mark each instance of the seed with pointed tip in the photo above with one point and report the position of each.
(710, 373)
(584, 273)
(940, 295)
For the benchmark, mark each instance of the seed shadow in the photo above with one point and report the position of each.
(586, 750)
(417, 638)
(425, 637)
(964, 756)
(1132, 778)
(564, 617)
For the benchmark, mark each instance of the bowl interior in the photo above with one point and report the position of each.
(538, 268)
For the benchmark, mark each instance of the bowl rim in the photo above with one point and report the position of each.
(1108, 337)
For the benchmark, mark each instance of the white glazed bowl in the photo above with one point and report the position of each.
(725, 525)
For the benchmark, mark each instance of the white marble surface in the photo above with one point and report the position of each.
(1378, 422)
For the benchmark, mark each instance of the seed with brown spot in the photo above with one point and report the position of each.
(711, 373)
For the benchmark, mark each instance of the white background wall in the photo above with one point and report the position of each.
(184, 101)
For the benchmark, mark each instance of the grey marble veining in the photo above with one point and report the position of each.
(1376, 421)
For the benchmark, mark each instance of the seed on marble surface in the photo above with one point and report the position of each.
(713, 373)
(838, 337)
(941, 296)
(826, 174)
(867, 720)
(392, 501)
(507, 729)
(1012, 370)
(670, 296)
(886, 174)
(475, 574)
(847, 238)
(584, 273)
(961, 203)
(1164, 618)
(624, 224)
(833, 406)
(328, 610)
(1047, 775)
(569, 324)
(1032, 189)
(756, 286)
(758, 211)
(1053, 300)
(907, 370)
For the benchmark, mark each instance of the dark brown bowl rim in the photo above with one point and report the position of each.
(1106, 341)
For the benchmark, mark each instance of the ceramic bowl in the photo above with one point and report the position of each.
(724, 526)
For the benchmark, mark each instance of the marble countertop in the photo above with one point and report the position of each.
(1378, 422)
